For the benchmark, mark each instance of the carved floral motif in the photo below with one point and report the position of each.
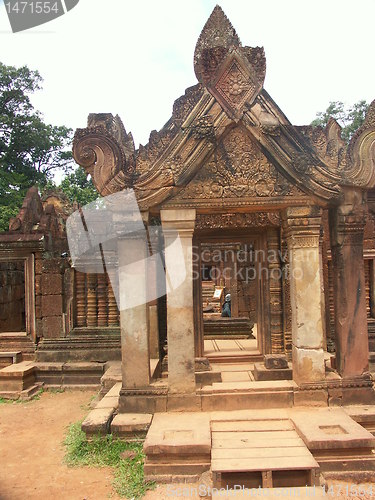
(237, 220)
(238, 170)
(235, 85)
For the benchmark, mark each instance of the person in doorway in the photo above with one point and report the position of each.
(226, 309)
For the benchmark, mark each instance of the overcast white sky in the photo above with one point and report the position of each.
(135, 58)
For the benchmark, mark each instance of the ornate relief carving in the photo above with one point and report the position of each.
(361, 153)
(238, 220)
(147, 155)
(239, 169)
(204, 128)
(183, 106)
(235, 85)
(233, 74)
(218, 33)
(328, 143)
(303, 241)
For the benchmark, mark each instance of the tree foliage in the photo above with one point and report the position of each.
(78, 187)
(31, 151)
(350, 118)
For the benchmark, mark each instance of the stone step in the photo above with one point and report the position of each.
(17, 342)
(131, 425)
(98, 421)
(228, 327)
(17, 377)
(24, 395)
(262, 455)
(76, 347)
(312, 492)
(247, 395)
(9, 358)
(70, 374)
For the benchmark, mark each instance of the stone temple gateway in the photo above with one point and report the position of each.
(228, 171)
(280, 217)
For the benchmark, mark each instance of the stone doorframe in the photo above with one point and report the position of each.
(265, 306)
(29, 269)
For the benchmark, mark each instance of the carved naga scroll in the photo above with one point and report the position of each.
(106, 152)
(361, 153)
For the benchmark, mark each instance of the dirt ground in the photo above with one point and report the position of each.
(32, 452)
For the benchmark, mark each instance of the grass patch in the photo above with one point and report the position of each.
(36, 397)
(6, 401)
(106, 452)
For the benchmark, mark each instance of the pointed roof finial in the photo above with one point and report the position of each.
(217, 32)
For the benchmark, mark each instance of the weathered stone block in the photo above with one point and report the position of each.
(308, 365)
(126, 424)
(38, 266)
(52, 327)
(97, 422)
(52, 265)
(263, 373)
(315, 398)
(38, 312)
(275, 361)
(38, 279)
(51, 305)
(51, 284)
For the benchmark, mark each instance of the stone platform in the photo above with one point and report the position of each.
(287, 448)
(178, 447)
(338, 443)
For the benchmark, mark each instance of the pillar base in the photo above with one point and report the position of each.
(156, 400)
(358, 390)
(336, 391)
(308, 365)
(148, 400)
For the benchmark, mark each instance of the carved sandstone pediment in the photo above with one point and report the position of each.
(227, 140)
(237, 171)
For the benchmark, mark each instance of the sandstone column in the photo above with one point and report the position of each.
(178, 228)
(346, 227)
(132, 253)
(302, 227)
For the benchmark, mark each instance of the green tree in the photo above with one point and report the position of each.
(31, 151)
(350, 118)
(78, 187)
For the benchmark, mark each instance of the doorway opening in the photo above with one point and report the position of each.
(231, 303)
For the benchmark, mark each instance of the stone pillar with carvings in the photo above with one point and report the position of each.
(347, 224)
(178, 228)
(302, 230)
(275, 286)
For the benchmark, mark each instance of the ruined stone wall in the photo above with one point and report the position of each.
(12, 297)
